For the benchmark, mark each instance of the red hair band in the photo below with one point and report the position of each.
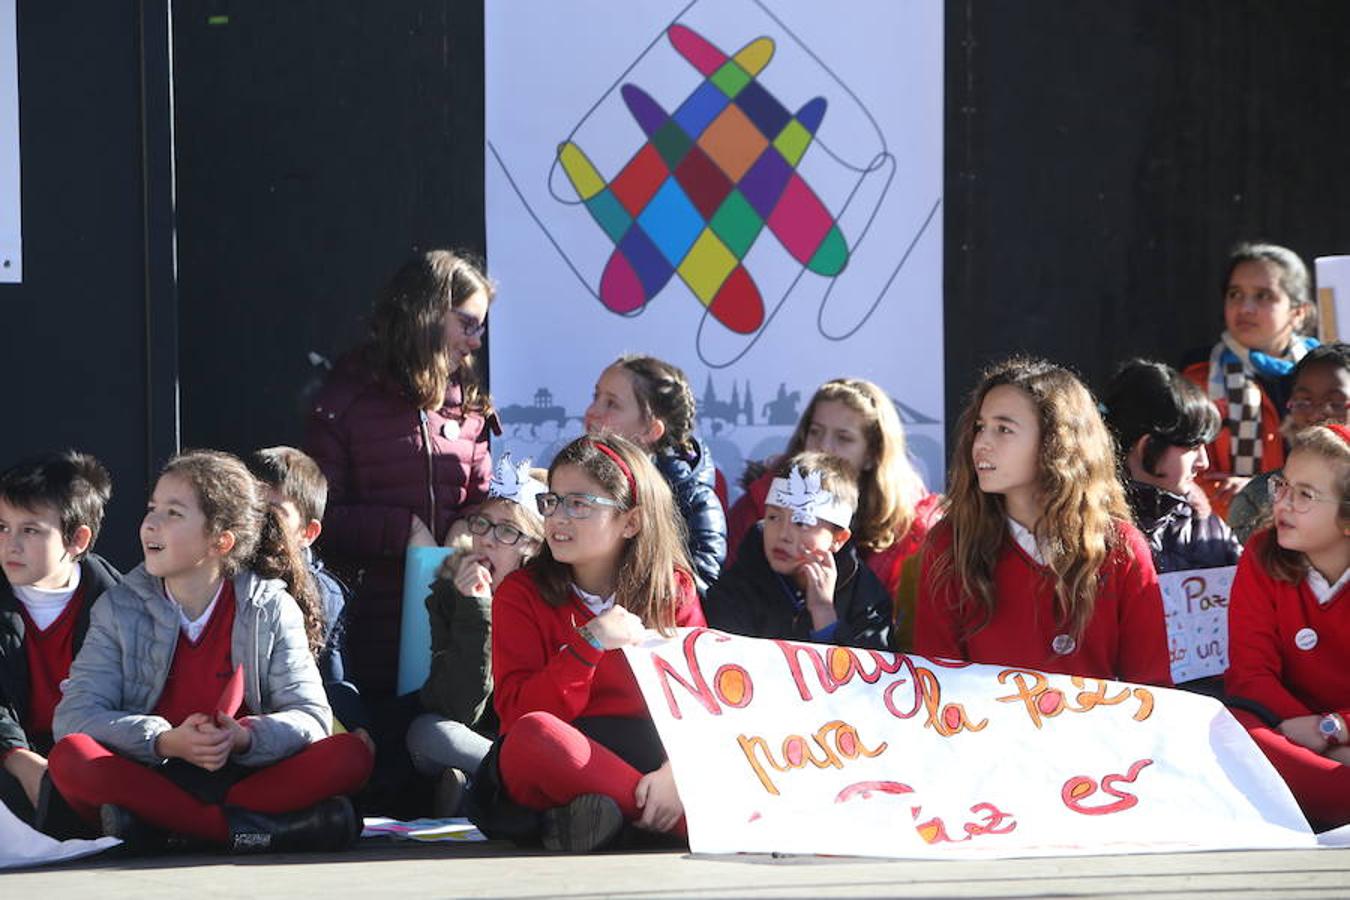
(618, 461)
(1340, 431)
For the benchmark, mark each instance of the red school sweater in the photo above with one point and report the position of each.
(1285, 650)
(541, 664)
(49, 652)
(1125, 640)
(200, 670)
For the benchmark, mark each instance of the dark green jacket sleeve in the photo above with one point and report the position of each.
(460, 679)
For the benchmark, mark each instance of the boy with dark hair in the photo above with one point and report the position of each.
(51, 508)
(297, 488)
(796, 574)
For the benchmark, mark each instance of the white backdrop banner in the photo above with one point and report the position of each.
(780, 746)
(750, 190)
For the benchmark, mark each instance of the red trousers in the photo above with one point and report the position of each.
(1320, 785)
(546, 762)
(90, 775)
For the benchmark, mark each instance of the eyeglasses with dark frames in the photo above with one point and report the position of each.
(471, 327)
(502, 532)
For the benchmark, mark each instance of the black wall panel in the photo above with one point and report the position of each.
(73, 334)
(1103, 157)
(319, 143)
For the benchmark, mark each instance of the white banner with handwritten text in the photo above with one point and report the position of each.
(779, 746)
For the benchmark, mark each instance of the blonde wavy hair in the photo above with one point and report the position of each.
(1291, 565)
(1082, 501)
(888, 485)
(647, 582)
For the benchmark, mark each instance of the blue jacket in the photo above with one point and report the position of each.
(692, 478)
(1179, 538)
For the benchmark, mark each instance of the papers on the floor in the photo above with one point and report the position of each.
(22, 846)
(428, 830)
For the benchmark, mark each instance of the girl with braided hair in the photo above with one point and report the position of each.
(650, 402)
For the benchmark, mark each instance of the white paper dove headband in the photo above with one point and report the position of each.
(803, 495)
(514, 482)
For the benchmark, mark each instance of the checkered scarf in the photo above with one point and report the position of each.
(1232, 377)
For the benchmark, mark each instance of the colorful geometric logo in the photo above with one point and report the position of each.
(711, 176)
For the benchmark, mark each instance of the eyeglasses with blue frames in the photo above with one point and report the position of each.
(574, 506)
(1301, 496)
(471, 327)
(502, 532)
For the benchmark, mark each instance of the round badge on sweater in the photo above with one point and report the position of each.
(1305, 639)
(1063, 644)
(450, 430)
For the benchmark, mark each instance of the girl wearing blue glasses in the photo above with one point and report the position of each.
(579, 754)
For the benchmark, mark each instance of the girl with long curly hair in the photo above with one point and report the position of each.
(1036, 563)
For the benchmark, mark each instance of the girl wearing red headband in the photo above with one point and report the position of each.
(578, 745)
(1289, 627)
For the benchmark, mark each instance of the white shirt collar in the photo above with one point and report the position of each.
(193, 628)
(1026, 540)
(1317, 583)
(594, 602)
(45, 605)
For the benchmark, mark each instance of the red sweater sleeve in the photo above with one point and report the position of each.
(1255, 667)
(689, 613)
(936, 629)
(539, 664)
(1142, 655)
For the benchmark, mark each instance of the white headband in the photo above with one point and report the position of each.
(515, 483)
(801, 493)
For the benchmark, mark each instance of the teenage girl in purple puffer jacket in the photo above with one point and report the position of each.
(400, 429)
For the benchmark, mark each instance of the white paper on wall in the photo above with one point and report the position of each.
(1333, 296)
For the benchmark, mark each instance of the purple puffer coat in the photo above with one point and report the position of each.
(385, 460)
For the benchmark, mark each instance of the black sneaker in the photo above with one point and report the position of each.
(590, 822)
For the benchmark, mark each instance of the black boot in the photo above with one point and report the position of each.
(590, 822)
(328, 825)
(140, 838)
(53, 816)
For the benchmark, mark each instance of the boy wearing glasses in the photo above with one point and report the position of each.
(450, 739)
(296, 487)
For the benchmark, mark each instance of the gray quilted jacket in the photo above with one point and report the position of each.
(119, 673)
